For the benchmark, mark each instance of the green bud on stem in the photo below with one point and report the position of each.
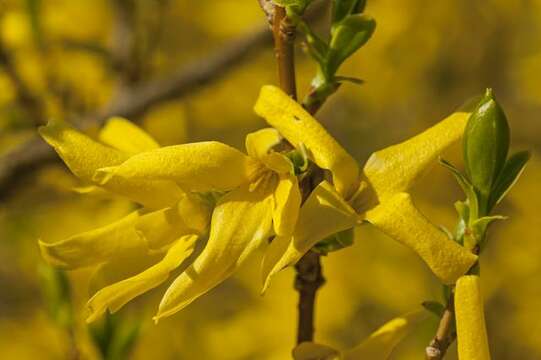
(486, 143)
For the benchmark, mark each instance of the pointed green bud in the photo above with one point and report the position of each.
(486, 143)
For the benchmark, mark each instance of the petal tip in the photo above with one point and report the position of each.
(103, 175)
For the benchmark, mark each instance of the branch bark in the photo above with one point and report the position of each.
(444, 337)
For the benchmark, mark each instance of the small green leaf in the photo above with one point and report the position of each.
(486, 143)
(434, 307)
(353, 80)
(467, 187)
(479, 228)
(343, 8)
(346, 38)
(317, 48)
(511, 172)
(336, 242)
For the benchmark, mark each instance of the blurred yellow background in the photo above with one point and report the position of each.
(424, 60)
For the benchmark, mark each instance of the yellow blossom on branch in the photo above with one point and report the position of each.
(379, 195)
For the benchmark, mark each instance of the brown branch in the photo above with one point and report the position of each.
(444, 337)
(26, 99)
(309, 276)
(284, 47)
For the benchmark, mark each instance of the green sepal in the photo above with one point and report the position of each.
(509, 175)
(463, 210)
(335, 242)
(299, 159)
(346, 38)
(486, 143)
(467, 187)
(343, 8)
(478, 229)
(434, 307)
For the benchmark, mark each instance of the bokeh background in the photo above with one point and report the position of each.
(424, 60)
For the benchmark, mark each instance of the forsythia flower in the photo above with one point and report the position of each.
(470, 320)
(379, 195)
(213, 192)
(378, 346)
(263, 198)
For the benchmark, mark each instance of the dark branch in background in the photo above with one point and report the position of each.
(30, 103)
(133, 101)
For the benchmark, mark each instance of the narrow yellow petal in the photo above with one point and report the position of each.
(115, 296)
(241, 222)
(324, 213)
(124, 135)
(190, 216)
(299, 127)
(312, 351)
(84, 156)
(398, 218)
(287, 202)
(470, 320)
(260, 143)
(203, 166)
(380, 344)
(395, 168)
(95, 246)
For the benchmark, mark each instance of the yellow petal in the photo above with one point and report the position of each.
(84, 156)
(115, 296)
(395, 168)
(81, 154)
(203, 166)
(299, 127)
(241, 222)
(261, 142)
(95, 246)
(470, 320)
(324, 213)
(398, 218)
(287, 202)
(190, 216)
(380, 344)
(312, 351)
(124, 135)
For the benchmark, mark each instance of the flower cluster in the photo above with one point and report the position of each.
(210, 196)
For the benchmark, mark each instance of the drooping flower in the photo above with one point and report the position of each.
(378, 346)
(379, 195)
(470, 320)
(258, 197)
(169, 223)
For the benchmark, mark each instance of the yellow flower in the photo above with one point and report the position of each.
(169, 223)
(470, 320)
(379, 195)
(378, 346)
(258, 194)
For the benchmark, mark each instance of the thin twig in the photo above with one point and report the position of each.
(444, 336)
(283, 32)
(26, 99)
